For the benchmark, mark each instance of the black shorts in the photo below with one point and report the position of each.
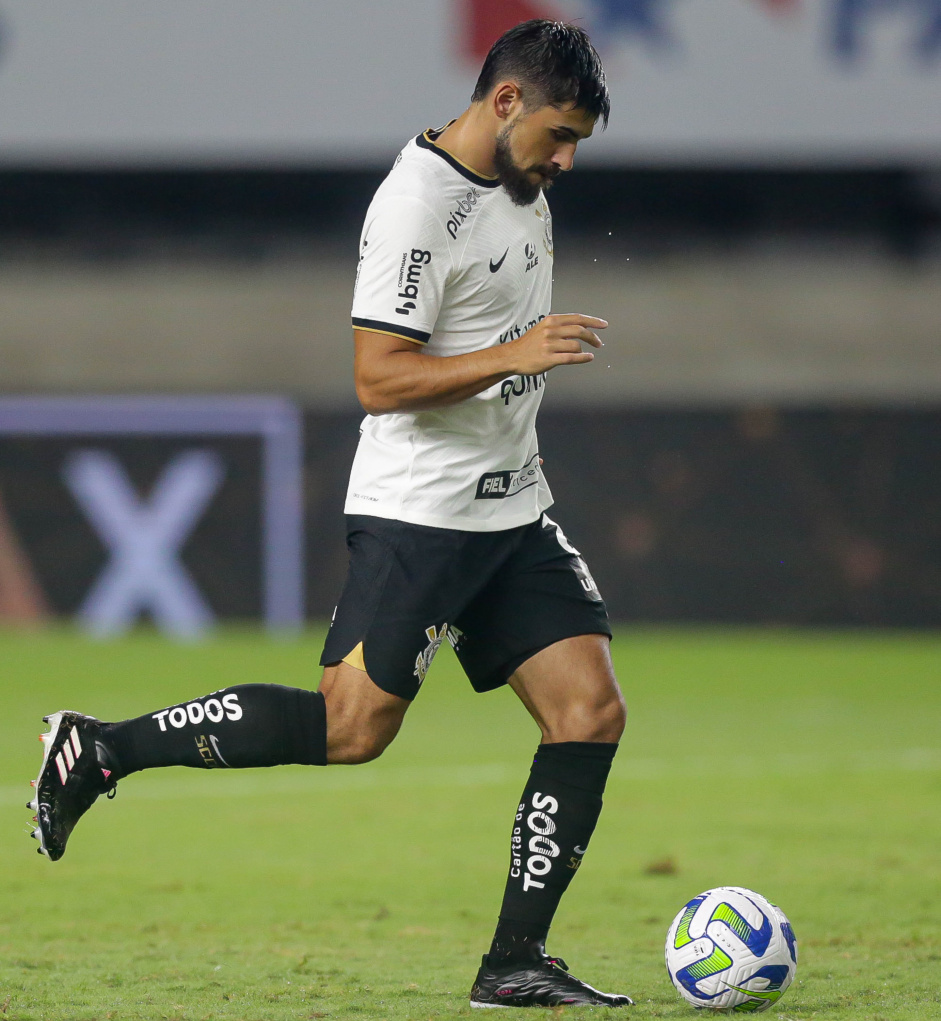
(496, 597)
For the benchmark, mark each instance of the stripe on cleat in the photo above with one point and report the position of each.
(60, 765)
(69, 757)
(76, 744)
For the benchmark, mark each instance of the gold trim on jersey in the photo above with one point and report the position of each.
(389, 333)
(427, 136)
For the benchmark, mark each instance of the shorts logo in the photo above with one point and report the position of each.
(435, 637)
(585, 579)
(500, 485)
(410, 278)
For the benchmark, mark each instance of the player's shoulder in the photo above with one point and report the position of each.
(428, 174)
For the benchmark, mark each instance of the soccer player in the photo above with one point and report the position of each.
(448, 534)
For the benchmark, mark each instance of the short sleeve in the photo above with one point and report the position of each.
(404, 263)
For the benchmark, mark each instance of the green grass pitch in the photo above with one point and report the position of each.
(805, 766)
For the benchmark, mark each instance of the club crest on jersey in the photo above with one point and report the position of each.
(410, 278)
(546, 218)
(435, 637)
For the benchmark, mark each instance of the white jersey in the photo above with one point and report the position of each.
(449, 262)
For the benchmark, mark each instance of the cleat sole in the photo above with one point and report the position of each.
(63, 759)
(54, 720)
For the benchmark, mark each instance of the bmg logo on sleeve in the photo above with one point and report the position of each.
(410, 278)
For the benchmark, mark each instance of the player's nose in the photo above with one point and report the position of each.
(564, 157)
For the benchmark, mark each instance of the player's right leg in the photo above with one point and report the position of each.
(241, 727)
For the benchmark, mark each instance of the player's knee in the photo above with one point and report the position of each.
(613, 717)
(354, 749)
(598, 719)
(364, 749)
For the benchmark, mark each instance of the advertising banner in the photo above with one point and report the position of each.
(174, 509)
(290, 82)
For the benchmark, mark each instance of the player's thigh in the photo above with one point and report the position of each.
(571, 691)
(362, 719)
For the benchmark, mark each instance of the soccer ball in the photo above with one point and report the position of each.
(731, 951)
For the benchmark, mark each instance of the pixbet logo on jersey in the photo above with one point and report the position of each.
(410, 278)
(460, 213)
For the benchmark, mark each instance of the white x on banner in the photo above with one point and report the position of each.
(144, 539)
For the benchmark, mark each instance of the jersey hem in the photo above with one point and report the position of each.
(453, 522)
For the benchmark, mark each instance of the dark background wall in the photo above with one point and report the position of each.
(256, 214)
(814, 517)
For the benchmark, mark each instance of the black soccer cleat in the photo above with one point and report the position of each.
(545, 982)
(70, 780)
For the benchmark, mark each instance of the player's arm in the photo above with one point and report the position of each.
(392, 374)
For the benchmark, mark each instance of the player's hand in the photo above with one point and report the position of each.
(555, 340)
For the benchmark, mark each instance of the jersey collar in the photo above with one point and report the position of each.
(426, 140)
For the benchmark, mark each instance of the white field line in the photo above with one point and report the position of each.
(271, 783)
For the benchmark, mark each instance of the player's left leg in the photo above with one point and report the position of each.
(571, 692)
(241, 726)
(245, 726)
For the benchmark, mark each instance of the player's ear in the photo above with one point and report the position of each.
(506, 99)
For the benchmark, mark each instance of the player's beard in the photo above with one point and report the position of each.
(521, 188)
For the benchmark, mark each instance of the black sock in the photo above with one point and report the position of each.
(555, 821)
(246, 725)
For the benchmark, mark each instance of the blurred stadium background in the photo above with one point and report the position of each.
(182, 187)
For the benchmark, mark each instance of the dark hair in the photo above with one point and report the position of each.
(554, 63)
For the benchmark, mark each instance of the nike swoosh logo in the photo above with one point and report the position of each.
(215, 748)
(580, 850)
(494, 267)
